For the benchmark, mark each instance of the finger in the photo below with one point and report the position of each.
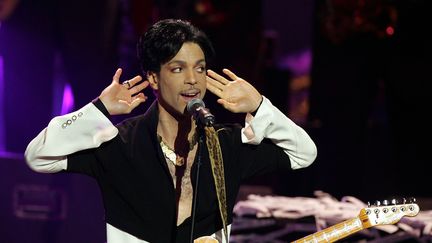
(117, 74)
(135, 80)
(231, 106)
(139, 87)
(138, 99)
(216, 91)
(227, 105)
(230, 74)
(217, 77)
(140, 95)
(132, 82)
(127, 84)
(214, 83)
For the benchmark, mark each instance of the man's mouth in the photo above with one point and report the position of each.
(188, 95)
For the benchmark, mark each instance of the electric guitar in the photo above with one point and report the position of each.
(370, 216)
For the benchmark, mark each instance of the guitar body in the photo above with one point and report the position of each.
(206, 239)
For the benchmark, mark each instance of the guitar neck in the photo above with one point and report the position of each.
(368, 217)
(335, 232)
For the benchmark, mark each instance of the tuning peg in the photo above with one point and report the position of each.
(412, 200)
(377, 203)
(368, 204)
(385, 202)
(404, 200)
(394, 201)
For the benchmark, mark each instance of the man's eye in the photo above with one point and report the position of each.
(201, 69)
(176, 70)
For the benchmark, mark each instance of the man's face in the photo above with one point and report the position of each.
(181, 79)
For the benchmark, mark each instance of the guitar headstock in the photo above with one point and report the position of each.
(385, 212)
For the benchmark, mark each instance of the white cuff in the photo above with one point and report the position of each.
(269, 122)
(83, 129)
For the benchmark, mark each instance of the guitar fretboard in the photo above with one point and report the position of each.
(335, 232)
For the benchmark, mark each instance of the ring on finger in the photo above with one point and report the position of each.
(127, 83)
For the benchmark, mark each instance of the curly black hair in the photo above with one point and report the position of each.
(161, 42)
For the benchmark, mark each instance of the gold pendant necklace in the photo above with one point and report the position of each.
(171, 155)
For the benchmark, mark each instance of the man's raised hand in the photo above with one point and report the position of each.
(236, 95)
(122, 98)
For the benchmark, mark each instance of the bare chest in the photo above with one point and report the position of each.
(181, 176)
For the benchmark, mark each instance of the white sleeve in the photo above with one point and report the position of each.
(83, 129)
(269, 122)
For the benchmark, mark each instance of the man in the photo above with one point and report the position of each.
(146, 165)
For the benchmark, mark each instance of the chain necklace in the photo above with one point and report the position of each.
(173, 156)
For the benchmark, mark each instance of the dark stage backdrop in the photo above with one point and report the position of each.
(48, 208)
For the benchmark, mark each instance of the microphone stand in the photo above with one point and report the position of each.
(201, 137)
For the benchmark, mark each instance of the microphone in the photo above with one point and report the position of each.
(196, 107)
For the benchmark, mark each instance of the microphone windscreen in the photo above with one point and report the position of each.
(194, 104)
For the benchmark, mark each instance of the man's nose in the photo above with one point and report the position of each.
(191, 77)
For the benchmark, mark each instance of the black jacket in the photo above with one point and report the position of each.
(137, 187)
